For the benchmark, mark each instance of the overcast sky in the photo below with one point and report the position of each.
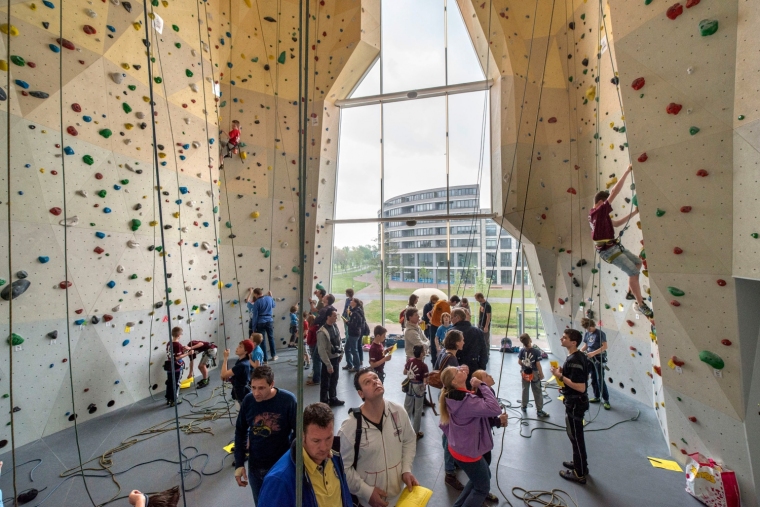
(415, 131)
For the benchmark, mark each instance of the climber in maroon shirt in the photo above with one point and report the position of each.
(234, 139)
(609, 246)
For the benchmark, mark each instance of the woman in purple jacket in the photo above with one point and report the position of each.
(465, 422)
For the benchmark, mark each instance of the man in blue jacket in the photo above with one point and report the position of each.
(262, 320)
(324, 480)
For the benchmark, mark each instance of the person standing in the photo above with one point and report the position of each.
(324, 477)
(595, 344)
(411, 305)
(440, 333)
(464, 304)
(427, 312)
(466, 421)
(346, 315)
(416, 371)
(484, 317)
(240, 374)
(261, 307)
(266, 425)
(378, 354)
(330, 351)
(452, 343)
(474, 353)
(529, 360)
(175, 352)
(574, 374)
(386, 442)
(311, 342)
(356, 325)
(413, 334)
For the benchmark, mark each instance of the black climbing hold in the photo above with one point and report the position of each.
(39, 95)
(167, 227)
(153, 387)
(270, 19)
(127, 6)
(585, 62)
(139, 171)
(143, 126)
(615, 80)
(22, 274)
(111, 403)
(72, 417)
(571, 25)
(3, 443)
(160, 147)
(15, 289)
(53, 334)
(92, 408)
(151, 248)
(581, 263)
(138, 206)
(159, 304)
(45, 25)
(240, 255)
(165, 192)
(168, 275)
(137, 67)
(575, 282)
(232, 236)
(16, 409)
(3, 95)
(266, 66)
(94, 319)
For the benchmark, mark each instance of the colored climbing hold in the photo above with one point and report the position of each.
(66, 43)
(755, 235)
(702, 173)
(571, 190)
(643, 158)
(721, 282)
(15, 289)
(126, 107)
(708, 27)
(255, 214)
(39, 95)
(22, 84)
(726, 342)
(692, 3)
(87, 159)
(635, 200)
(76, 108)
(281, 58)
(44, 259)
(125, 343)
(158, 80)
(72, 131)
(136, 224)
(102, 193)
(693, 130)
(591, 93)
(673, 108)
(111, 284)
(89, 30)
(674, 11)
(55, 211)
(677, 250)
(15, 339)
(712, 359)
(675, 303)
(18, 60)
(675, 291)
(659, 212)
(638, 83)
(106, 133)
(79, 322)
(9, 29)
(188, 73)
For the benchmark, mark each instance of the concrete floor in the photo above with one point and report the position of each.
(620, 476)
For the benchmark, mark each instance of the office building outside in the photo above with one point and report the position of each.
(417, 252)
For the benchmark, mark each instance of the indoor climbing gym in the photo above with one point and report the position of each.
(379, 253)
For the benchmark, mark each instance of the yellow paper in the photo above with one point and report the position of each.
(230, 448)
(555, 364)
(393, 349)
(418, 497)
(665, 464)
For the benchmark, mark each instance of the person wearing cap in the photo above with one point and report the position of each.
(266, 426)
(240, 374)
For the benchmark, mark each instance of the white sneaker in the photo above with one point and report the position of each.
(275, 358)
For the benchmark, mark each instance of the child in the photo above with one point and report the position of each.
(311, 341)
(173, 367)
(234, 140)
(609, 247)
(440, 333)
(378, 355)
(496, 422)
(417, 371)
(530, 368)
(209, 356)
(293, 327)
(257, 356)
(168, 498)
(240, 374)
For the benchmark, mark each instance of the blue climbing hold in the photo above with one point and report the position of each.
(178, 201)
(211, 141)
(27, 165)
(183, 190)
(54, 48)
(20, 192)
(116, 382)
(44, 259)
(68, 150)
(79, 322)
(88, 119)
(185, 146)
(228, 285)
(111, 28)
(3, 95)
(228, 34)
(22, 84)
(195, 244)
(205, 224)
(48, 4)
(51, 365)
(101, 235)
(181, 157)
(163, 164)
(125, 343)
(111, 284)
(106, 210)
(117, 187)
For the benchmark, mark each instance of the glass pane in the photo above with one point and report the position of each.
(370, 85)
(464, 66)
(413, 44)
(469, 147)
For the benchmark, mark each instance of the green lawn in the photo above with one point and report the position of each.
(469, 292)
(342, 281)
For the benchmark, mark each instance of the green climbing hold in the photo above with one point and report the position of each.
(621, 130)
(635, 200)
(228, 224)
(223, 103)
(641, 96)
(570, 79)
(177, 45)
(679, 398)
(255, 59)
(125, 182)
(195, 307)
(126, 107)
(15, 339)
(158, 80)
(133, 276)
(583, 16)
(561, 250)
(159, 249)
(154, 3)
(708, 27)
(643, 254)
(6, 396)
(754, 235)
(281, 58)
(136, 224)
(188, 73)
(132, 87)
(647, 2)
(659, 212)
(675, 291)
(2, 282)
(295, 269)
(741, 117)
(102, 193)
(693, 130)
(87, 159)
(594, 271)
(606, 307)
(175, 28)
(216, 209)
(267, 254)
(582, 304)
(106, 133)
(18, 60)
(712, 359)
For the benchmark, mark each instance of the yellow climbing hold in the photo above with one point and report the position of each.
(219, 284)
(165, 3)
(612, 146)
(255, 214)
(125, 66)
(33, 6)
(248, 3)
(148, 278)
(3, 65)
(42, 170)
(153, 223)
(146, 99)
(612, 124)
(162, 155)
(128, 126)
(269, 168)
(591, 93)
(136, 25)
(282, 207)
(177, 301)
(175, 214)
(243, 155)
(6, 28)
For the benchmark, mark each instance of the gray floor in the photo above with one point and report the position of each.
(620, 473)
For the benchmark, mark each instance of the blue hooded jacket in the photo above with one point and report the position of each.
(279, 486)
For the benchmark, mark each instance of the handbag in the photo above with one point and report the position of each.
(711, 483)
(405, 385)
(434, 377)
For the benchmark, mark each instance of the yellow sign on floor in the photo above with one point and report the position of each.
(665, 464)
(230, 448)
(418, 497)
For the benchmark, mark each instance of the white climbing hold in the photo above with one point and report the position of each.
(292, 220)
(191, 261)
(324, 180)
(131, 324)
(204, 307)
(132, 243)
(119, 268)
(127, 141)
(140, 115)
(129, 167)
(69, 222)
(204, 277)
(91, 13)
(191, 204)
(187, 121)
(206, 245)
(188, 288)
(139, 293)
(193, 52)
(278, 278)
(690, 70)
(194, 87)
(115, 2)
(83, 193)
(278, 267)
(183, 229)
(196, 144)
(209, 193)
(116, 308)
(284, 244)
(117, 77)
(205, 46)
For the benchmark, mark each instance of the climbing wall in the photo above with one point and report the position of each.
(671, 89)
(94, 229)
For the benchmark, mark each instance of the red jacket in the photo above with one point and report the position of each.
(234, 136)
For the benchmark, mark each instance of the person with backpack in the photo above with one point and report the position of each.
(416, 372)
(330, 349)
(452, 343)
(357, 327)
(413, 335)
(378, 445)
(530, 369)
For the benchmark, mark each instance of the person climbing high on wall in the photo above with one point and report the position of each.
(234, 139)
(609, 247)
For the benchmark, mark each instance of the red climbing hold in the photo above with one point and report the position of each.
(64, 284)
(107, 318)
(685, 209)
(692, 3)
(78, 312)
(543, 216)
(725, 342)
(702, 173)
(89, 30)
(561, 301)
(643, 158)
(552, 120)
(72, 131)
(76, 107)
(632, 348)
(67, 44)
(676, 361)
(692, 418)
(630, 323)
(721, 282)
(98, 250)
(55, 211)
(98, 176)
(658, 370)
(673, 108)
(31, 65)
(571, 190)
(675, 303)
(638, 83)
(677, 251)
(674, 11)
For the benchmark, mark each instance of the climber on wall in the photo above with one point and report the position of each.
(609, 247)
(234, 139)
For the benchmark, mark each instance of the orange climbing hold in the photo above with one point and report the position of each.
(98, 250)
(676, 361)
